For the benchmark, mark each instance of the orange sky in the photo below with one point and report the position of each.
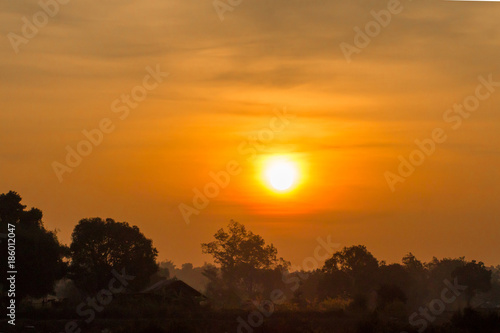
(226, 81)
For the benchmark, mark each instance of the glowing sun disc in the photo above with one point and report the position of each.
(281, 174)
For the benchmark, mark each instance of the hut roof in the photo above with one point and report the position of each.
(164, 286)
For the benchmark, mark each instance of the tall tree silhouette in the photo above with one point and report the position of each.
(39, 255)
(241, 254)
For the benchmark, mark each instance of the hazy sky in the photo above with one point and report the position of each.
(226, 79)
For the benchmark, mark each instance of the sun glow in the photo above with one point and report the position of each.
(281, 174)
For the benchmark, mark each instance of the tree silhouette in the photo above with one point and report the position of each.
(475, 276)
(241, 255)
(417, 288)
(412, 264)
(39, 255)
(358, 264)
(100, 246)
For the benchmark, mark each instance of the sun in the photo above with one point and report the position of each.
(281, 174)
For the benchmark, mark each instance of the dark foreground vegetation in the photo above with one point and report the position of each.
(108, 280)
(466, 321)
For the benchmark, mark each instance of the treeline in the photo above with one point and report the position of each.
(352, 277)
(247, 275)
(99, 249)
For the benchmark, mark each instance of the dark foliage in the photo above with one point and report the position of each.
(100, 246)
(39, 255)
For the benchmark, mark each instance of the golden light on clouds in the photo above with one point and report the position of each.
(226, 79)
